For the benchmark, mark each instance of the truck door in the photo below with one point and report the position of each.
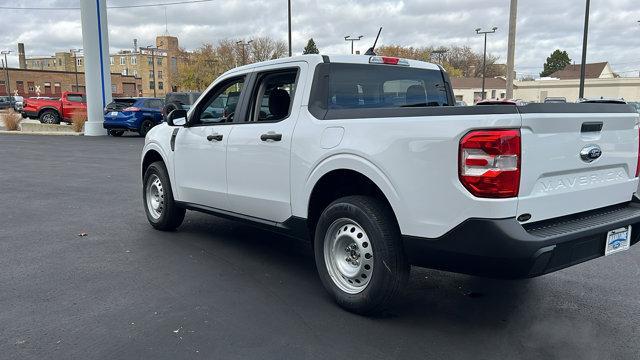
(259, 149)
(73, 103)
(200, 156)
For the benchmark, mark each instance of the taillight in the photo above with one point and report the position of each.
(490, 163)
(638, 164)
(131, 109)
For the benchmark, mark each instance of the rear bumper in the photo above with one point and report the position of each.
(503, 248)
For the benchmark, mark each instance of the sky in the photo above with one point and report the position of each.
(542, 26)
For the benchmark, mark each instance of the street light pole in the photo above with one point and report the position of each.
(584, 50)
(349, 38)
(484, 56)
(243, 44)
(75, 61)
(440, 51)
(6, 70)
(289, 19)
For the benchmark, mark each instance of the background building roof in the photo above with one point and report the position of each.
(592, 71)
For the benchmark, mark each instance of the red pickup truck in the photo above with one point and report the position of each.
(55, 110)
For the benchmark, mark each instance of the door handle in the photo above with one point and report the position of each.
(271, 136)
(215, 137)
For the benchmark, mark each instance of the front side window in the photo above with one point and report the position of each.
(159, 61)
(123, 60)
(273, 95)
(160, 85)
(220, 107)
(134, 60)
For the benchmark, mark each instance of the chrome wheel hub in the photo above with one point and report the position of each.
(154, 195)
(348, 255)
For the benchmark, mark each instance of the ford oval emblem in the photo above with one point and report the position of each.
(590, 153)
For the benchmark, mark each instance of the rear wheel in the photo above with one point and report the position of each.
(50, 117)
(359, 254)
(116, 133)
(159, 204)
(146, 125)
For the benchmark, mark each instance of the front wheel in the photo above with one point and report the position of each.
(50, 117)
(162, 211)
(359, 254)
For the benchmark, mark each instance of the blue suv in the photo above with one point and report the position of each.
(132, 114)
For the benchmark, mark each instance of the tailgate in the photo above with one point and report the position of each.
(576, 157)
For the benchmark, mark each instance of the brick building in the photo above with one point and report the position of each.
(29, 82)
(156, 68)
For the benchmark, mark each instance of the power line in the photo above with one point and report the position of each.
(109, 7)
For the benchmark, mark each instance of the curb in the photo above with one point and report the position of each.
(58, 133)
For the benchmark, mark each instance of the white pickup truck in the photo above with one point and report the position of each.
(368, 158)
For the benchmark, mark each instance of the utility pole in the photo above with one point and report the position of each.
(6, 70)
(484, 58)
(153, 67)
(289, 18)
(244, 55)
(584, 50)
(511, 47)
(75, 62)
(349, 38)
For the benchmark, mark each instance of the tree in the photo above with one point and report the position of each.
(198, 69)
(457, 60)
(470, 62)
(558, 60)
(310, 48)
(265, 48)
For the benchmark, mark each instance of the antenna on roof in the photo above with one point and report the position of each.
(371, 49)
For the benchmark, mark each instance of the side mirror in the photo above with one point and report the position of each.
(177, 117)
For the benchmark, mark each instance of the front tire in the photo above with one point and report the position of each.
(49, 117)
(359, 254)
(159, 204)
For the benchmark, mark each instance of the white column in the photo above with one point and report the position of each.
(97, 71)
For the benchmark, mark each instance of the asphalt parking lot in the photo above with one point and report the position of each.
(217, 289)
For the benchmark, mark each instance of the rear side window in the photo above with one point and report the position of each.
(153, 104)
(76, 98)
(360, 86)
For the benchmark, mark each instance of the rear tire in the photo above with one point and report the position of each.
(49, 117)
(359, 254)
(145, 127)
(116, 133)
(162, 211)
